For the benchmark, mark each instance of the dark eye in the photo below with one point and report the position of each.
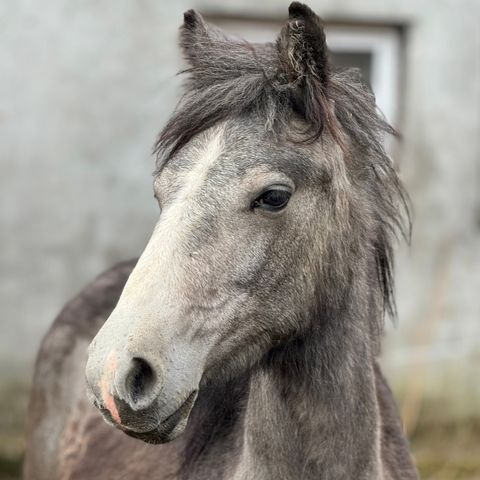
(273, 199)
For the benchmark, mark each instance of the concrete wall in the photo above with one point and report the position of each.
(85, 87)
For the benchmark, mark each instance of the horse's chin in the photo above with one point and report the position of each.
(139, 424)
(160, 434)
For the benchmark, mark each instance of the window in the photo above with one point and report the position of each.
(375, 50)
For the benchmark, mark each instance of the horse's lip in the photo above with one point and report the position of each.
(163, 430)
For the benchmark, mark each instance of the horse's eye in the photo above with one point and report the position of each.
(273, 199)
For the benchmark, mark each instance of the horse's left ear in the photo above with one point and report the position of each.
(302, 48)
(304, 70)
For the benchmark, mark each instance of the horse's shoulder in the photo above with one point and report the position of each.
(395, 450)
(86, 312)
(57, 401)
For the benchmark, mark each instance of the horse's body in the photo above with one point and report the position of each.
(245, 337)
(68, 438)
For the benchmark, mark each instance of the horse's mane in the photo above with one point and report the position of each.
(228, 78)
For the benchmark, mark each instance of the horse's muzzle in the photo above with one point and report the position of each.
(165, 430)
(128, 394)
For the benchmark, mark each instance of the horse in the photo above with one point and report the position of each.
(243, 343)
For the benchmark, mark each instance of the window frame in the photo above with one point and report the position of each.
(382, 41)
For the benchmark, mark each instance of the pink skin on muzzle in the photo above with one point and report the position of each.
(106, 380)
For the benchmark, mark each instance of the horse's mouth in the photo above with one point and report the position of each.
(165, 430)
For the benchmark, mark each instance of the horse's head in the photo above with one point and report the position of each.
(264, 211)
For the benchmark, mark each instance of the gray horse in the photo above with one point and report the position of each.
(244, 339)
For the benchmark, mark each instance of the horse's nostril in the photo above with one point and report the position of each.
(140, 380)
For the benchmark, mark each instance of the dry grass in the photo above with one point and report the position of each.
(13, 405)
(448, 450)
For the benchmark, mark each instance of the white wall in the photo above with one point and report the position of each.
(85, 87)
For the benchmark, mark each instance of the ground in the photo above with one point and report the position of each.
(443, 449)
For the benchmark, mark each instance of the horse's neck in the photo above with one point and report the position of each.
(312, 411)
(308, 411)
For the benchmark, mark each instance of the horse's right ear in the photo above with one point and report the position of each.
(194, 36)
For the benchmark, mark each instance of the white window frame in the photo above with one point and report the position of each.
(383, 43)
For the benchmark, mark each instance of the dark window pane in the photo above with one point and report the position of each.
(361, 60)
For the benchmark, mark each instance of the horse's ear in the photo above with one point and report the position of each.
(302, 47)
(304, 68)
(194, 36)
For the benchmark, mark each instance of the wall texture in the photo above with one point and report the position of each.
(84, 88)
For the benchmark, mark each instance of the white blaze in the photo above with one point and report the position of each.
(157, 271)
